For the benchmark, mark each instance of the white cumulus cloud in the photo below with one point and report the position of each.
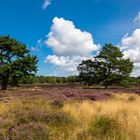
(65, 39)
(46, 3)
(69, 45)
(66, 63)
(130, 46)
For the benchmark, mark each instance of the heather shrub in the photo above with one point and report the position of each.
(57, 104)
(35, 125)
(24, 117)
(58, 119)
(104, 128)
(32, 131)
(53, 118)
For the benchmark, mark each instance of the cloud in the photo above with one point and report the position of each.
(130, 45)
(65, 39)
(38, 45)
(69, 45)
(137, 18)
(66, 63)
(46, 3)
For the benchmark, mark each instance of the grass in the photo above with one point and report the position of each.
(117, 118)
(120, 108)
(103, 127)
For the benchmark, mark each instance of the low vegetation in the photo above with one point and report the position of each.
(117, 118)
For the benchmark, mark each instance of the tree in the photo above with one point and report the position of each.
(23, 68)
(109, 67)
(90, 71)
(15, 61)
(116, 67)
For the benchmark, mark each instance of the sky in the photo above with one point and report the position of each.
(62, 33)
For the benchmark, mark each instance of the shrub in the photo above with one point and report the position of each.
(58, 119)
(57, 104)
(53, 118)
(32, 131)
(24, 117)
(125, 83)
(105, 128)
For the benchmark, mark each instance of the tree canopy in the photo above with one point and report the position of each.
(109, 67)
(15, 61)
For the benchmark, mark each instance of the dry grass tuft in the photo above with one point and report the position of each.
(121, 108)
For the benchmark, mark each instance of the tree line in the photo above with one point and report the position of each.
(73, 80)
(18, 66)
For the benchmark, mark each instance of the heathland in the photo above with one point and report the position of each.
(69, 112)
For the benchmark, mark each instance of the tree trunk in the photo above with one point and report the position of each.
(106, 87)
(14, 82)
(4, 84)
(89, 84)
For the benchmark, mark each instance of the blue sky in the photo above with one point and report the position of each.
(27, 21)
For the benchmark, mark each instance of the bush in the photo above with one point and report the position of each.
(49, 118)
(58, 119)
(25, 117)
(32, 131)
(105, 128)
(57, 104)
(125, 83)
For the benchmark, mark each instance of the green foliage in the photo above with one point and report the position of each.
(89, 71)
(49, 79)
(133, 80)
(103, 127)
(138, 79)
(72, 79)
(108, 68)
(15, 61)
(125, 83)
(115, 66)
